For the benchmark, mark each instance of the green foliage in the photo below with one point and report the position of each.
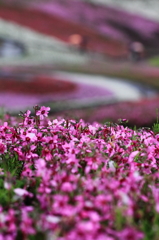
(119, 219)
(147, 229)
(154, 61)
(38, 236)
(1, 112)
(155, 126)
(11, 163)
(5, 194)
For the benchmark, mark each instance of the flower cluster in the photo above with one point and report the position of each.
(139, 113)
(66, 179)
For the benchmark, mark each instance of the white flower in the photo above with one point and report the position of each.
(21, 192)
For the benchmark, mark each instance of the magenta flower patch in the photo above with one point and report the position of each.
(67, 179)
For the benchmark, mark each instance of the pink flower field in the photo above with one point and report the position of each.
(62, 29)
(18, 95)
(139, 113)
(109, 21)
(81, 174)
(66, 179)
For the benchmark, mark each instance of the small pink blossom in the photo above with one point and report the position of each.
(43, 112)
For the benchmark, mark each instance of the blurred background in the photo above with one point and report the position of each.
(91, 59)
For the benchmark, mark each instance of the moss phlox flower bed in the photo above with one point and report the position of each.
(65, 180)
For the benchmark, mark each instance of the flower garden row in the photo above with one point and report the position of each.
(53, 25)
(27, 91)
(66, 179)
(140, 113)
(39, 84)
(50, 18)
(123, 27)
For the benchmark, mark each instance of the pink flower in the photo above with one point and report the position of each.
(43, 112)
(26, 225)
(7, 185)
(132, 156)
(155, 193)
(130, 234)
(2, 147)
(67, 187)
(47, 154)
